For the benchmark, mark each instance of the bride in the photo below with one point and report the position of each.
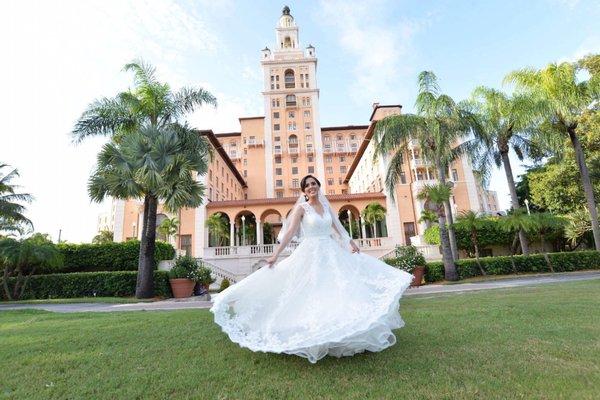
(325, 298)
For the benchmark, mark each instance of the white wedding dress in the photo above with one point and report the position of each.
(322, 299)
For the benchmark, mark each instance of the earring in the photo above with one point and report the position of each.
(306, 197)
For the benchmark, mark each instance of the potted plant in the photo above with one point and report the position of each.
(182, 276)
(203, 278)
(411, 260)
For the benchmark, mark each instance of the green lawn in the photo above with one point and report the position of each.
(541, 342)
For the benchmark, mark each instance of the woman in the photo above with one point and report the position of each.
(325, 298)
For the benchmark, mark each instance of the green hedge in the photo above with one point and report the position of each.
(106, 257)
(89, 284)
(562, 262)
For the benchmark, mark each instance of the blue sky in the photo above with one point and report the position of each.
(61, 56)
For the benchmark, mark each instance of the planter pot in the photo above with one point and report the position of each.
(182, 287)
(418, 273)
(200, 289)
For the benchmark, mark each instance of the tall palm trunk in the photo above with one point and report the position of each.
(447, 258)
(449, 217)
(476, 247)
(145, 277)
(514, 200)
(587, 185)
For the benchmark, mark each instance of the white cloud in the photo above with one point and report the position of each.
(382, 50)
(57, 58)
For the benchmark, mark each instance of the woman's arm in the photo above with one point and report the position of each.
(355, 248)
(295, 218)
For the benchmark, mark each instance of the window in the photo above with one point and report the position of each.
(308, 138)
(306, 114)
(454, 175)
(245, 162)
(279, 183)
(307, 125)
(278, 160)
(310, 158)
(277, 138)
(185, 244)
(245, 173)
(294, 159)
(326, 138)
(290, 100)
(295, 183)
(340, 180)
(291, 114)
(330, 181)
(330, 170)
(343, 169)
(210, 194)
(276, 115)
(311, 169)
(339, 137)
(402, 177)
(291, 126)
(274, 102)
(279, 194)
(290, 81)
(331, 191)
(278, 171)
(276, 127)
(294, 170)
(342, 158)
(328, 159)
(352, 137)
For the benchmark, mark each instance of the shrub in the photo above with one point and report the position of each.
(88, 284)
(408, 258)
(185, 267)
(107, 257)
(467, 268)
(224, 284)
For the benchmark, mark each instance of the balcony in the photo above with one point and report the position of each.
(309, 149)
(233, 155)
(277, 151)
(327, 149)
(291, 103)
(254, 142)
(293, 150)
(419, 163)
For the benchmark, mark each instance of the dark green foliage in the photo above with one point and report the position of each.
(185, 267)
(107, 256)
(88, 284)
(224, 284)
(489, 234)
(562, 262)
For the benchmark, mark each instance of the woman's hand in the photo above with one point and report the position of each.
(271, 261)
(355, 248)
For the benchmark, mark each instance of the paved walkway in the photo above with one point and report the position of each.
(193, 303)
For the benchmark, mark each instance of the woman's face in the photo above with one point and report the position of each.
(312, 188)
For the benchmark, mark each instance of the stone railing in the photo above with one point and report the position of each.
(220, 272)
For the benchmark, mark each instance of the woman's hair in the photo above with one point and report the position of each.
(303, 183)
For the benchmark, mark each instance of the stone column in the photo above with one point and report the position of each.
(362, 226)
(231, 234)
(259, 238)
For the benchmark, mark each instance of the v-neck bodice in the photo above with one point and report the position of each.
(315, 224)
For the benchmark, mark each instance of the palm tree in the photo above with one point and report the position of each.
(473, 222)
(577, 225)
(544, 223)
(148, 112)
(437, 195)
(217, 225)
(168, 227)
(104, 236)
(156, 164)
(373, 213)
(514, 222)
(20, 259)
(563, 98)
(505, 122)
(12, 218)
(428, 216)
(437, 127)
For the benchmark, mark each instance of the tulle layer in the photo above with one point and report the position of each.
(321, 300)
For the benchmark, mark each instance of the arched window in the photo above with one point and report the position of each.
(290, 100)
(290, 80)
(293, 140)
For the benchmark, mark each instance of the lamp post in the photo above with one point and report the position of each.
(527, 206)
(243, 230)
(349, 222)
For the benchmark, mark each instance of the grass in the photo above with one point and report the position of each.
(541, 342)
(114, 300)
